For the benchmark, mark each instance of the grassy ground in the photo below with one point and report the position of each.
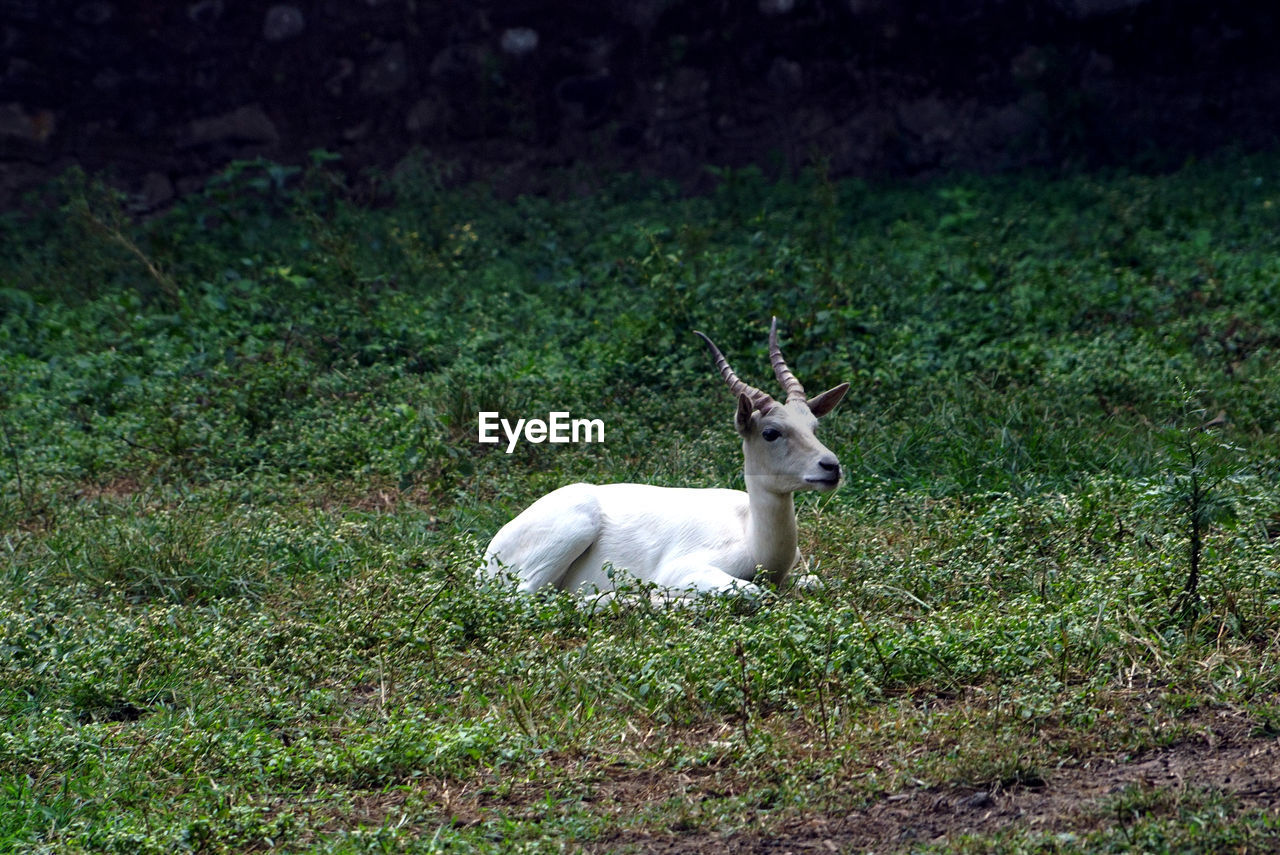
(241, 498)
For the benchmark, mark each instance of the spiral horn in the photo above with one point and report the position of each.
(790, 385)
(762, 401)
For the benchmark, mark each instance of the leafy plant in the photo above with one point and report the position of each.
(1197, 490)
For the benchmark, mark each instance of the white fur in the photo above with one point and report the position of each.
(689, 540)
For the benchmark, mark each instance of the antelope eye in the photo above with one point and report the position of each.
(770, 434)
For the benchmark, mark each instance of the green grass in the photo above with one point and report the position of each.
(241, 500)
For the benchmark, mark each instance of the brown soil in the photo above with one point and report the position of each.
(1228, 757)
(1078, 797)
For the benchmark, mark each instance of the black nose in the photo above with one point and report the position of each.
(830, 464)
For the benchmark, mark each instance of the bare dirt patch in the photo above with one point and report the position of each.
(1078, 796)
(1221, 755)
(376, 499)
(118, 489)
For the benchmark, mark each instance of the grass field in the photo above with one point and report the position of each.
(242, 497)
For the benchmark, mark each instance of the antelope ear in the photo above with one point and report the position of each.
(742, 419)
(822, 404)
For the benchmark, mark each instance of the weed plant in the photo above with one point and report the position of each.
(241, 501)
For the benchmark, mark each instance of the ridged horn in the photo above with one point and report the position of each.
(790, 385)
(762, 401)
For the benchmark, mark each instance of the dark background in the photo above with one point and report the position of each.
(157, 95)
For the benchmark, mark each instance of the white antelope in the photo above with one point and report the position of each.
(690, 540)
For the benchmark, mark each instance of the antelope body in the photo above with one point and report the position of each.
(685, 539)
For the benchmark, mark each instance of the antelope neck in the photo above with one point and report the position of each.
(771, 531)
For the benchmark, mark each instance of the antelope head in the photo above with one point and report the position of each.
(780, 449)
